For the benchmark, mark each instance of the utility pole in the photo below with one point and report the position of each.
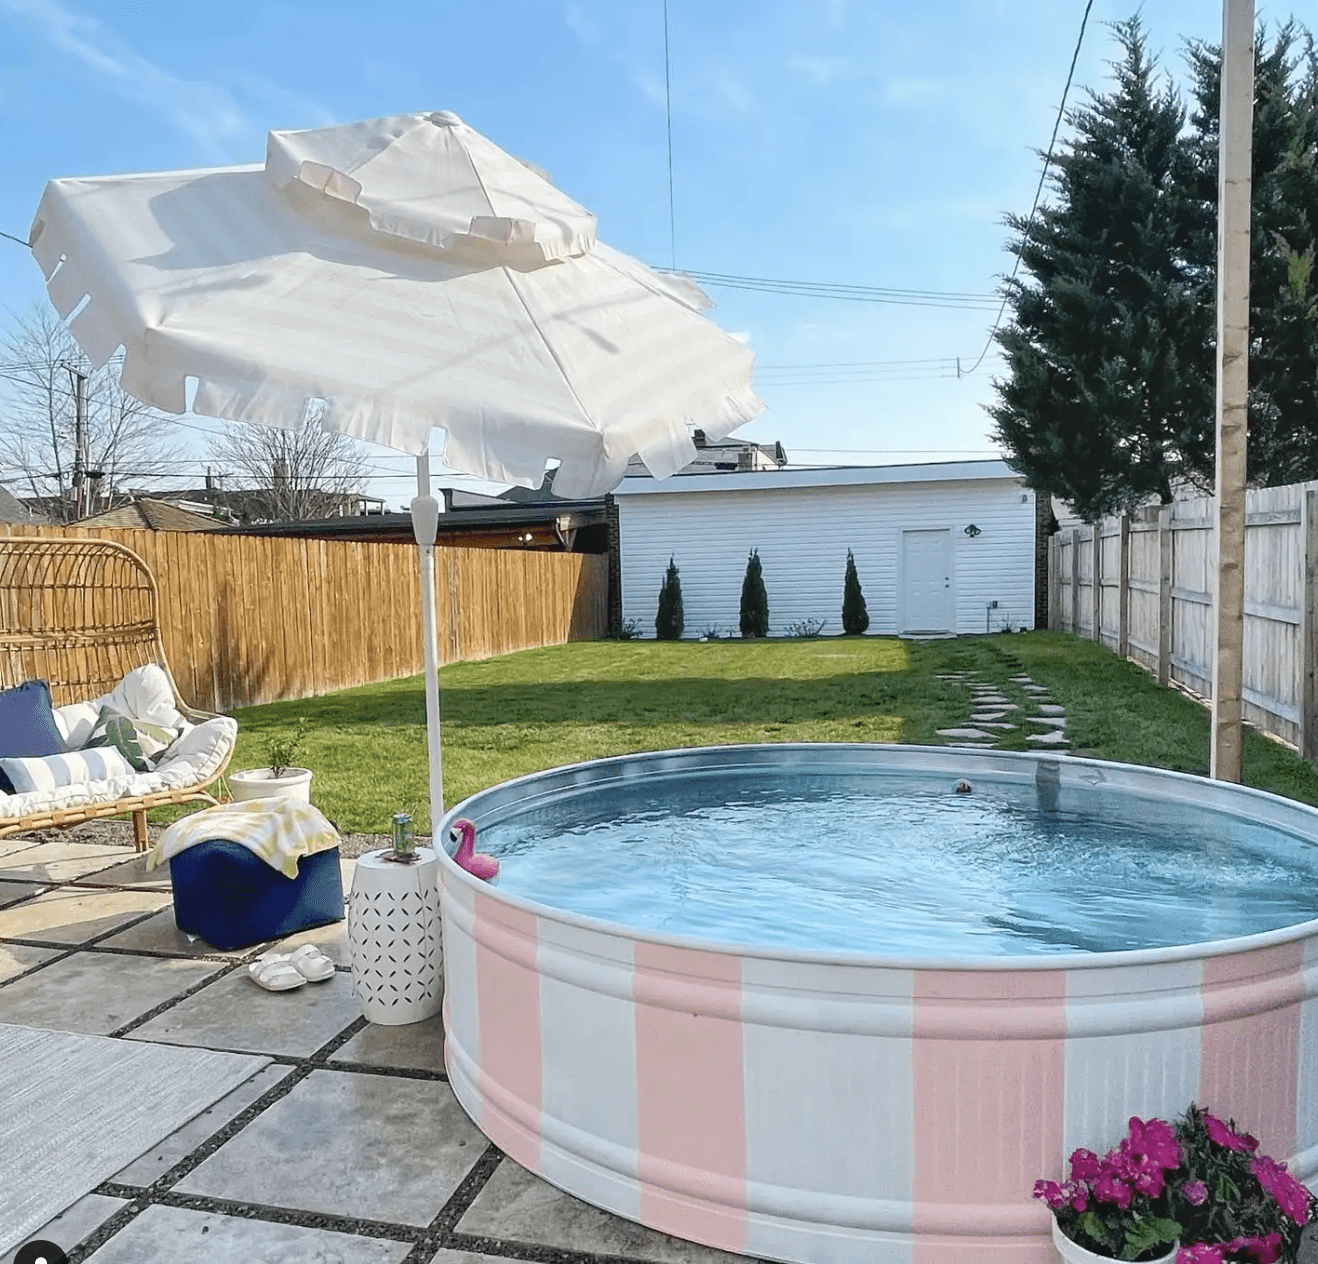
(79, 441)
(1233, 209)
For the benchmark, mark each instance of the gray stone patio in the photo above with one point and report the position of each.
(349, 1148)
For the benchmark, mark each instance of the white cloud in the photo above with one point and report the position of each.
(207, 113)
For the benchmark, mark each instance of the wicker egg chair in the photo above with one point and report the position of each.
(80, 614)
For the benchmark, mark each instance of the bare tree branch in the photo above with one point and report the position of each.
(306, 473)
(37, 421)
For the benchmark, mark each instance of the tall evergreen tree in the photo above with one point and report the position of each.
(1106, 401)
(669, 619)
(1283, 316)
(855, 618)
(754, 619)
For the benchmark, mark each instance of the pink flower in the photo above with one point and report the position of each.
(1264, 1250)
(1050, 1192)
(1110, 1188)
(1220, 1134)
(1290, 1195)
(1195, 1193)
(1078, 1195)
(1200, 1253)
(1084, 1165)
(1153, 1139)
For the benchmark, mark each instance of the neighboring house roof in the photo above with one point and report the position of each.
(722, 456)
(837, 476)
(13, 511)
(152, 515)
(575, 525)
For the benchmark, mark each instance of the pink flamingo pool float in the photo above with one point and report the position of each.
(474, 862)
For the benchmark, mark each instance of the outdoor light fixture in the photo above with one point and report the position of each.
(972, 531)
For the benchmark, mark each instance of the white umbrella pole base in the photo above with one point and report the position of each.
(394, 938)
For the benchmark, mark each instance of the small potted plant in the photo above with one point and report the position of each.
(1118, 1207)
(281, 778)
(1197, 1192)
(1234, 1205)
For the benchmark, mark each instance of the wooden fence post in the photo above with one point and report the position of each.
(1309, 626)
(1164, 594)
(1123, 587)
(1075, 580)
(1096, 596)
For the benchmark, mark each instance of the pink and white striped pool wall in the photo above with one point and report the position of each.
(820, 1111)
(849, 1110)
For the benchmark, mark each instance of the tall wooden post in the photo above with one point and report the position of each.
(1233, 207)
(1308, 742)
(1075, 580)
(1096, 596)
(1123, 588)
(1164, 595)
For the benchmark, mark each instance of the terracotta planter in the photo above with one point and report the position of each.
(261, 783)
(1074, 1253)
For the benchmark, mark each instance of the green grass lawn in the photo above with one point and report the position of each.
(541, 708)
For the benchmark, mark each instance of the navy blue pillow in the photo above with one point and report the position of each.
(27, 722)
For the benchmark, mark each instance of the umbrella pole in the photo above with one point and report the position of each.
(425, 526)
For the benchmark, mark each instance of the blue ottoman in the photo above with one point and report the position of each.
(233, 899)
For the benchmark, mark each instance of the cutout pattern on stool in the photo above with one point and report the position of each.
(394, 937)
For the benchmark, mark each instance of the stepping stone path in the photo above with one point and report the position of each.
(990, 706)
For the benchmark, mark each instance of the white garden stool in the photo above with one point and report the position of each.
(393, 937)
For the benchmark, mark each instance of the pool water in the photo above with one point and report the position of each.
(830, 864)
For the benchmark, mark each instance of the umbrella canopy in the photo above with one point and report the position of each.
(385, 278)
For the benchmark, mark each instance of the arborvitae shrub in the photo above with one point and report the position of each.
(669, 619)
(855, 618)
(754, 600)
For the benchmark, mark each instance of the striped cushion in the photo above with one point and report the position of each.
(77, 767)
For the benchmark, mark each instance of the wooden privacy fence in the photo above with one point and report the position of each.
(249, 619)
(1142, 584)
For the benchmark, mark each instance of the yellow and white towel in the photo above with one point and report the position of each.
(280, 831)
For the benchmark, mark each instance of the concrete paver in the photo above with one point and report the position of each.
(415, 1046)
(72, 1225)
(234, 1013)
(175, 1233)
(516, 1206)
(366, 1146)
(73, 915)
(15, 958)
(60, 861)
(96, 992)
(152, 1165)
(12, 891)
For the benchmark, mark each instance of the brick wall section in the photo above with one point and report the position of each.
(1043, 517)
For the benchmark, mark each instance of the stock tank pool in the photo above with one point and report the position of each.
(811, 1003)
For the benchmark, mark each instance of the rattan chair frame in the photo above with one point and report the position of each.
(80, 614)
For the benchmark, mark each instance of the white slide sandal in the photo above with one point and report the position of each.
(275, 974)
(312, 964)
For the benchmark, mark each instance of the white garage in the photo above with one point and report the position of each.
(947, 547)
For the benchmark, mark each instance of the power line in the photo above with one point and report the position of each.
(1038, 192)
(846, 292)
(22, 241)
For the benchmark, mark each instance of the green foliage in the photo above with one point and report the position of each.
(520, 713)
(855, 618)
(669, 619)
(1108, 397)
(754, 612)
(1283, 307)
(284, 749)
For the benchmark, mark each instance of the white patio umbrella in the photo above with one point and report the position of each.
(385, 278)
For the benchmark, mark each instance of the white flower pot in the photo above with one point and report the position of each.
(261, 783)
(1074, 1253)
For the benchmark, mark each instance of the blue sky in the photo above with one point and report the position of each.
(862, 142)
